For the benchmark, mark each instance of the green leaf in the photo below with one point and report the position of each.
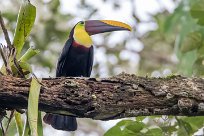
(198, 66)
(19, 123)
(140, 118)
(187, 61)
(195, 122)
(26, 19)
(127, 132)
(197, 11)
(200, 51)
(12, 128)
(40, 126)
(33, 106)
(124, 123)
(26, 130)
(154, 132)
(135, 126)
(169, 129)
(130, 127)
(186, 23)
(114, 131)
(185, 128)
(172, 19)
(192, 41)
(26, 68)
(29, 54)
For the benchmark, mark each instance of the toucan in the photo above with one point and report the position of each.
(76, 60)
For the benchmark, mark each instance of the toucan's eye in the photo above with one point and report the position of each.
(81, 22)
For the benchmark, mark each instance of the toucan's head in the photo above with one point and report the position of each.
(84, 29)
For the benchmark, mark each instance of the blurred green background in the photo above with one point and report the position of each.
(167, 38)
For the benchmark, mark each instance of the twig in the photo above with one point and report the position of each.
(18, 67)
(5, 32)
(2, 114)
(2, 55)
(2, 128)
(35, 77)
(5, 60)
(9, 121)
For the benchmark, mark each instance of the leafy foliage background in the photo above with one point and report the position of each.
(174, 46)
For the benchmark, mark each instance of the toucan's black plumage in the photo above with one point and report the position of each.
(70, 65)
(76, 60)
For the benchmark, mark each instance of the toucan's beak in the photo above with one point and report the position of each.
(100, 26)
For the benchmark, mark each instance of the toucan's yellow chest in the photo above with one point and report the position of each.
(81, 36)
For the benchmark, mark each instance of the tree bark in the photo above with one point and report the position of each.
(120, 96)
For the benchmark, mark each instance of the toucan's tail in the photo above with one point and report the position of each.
(61, 122)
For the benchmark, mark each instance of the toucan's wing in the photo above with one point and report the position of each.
(90, 61)
(62, 58)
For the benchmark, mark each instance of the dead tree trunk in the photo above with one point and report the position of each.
(109, 98)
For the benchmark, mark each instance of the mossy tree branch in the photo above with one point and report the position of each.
(120, 96)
